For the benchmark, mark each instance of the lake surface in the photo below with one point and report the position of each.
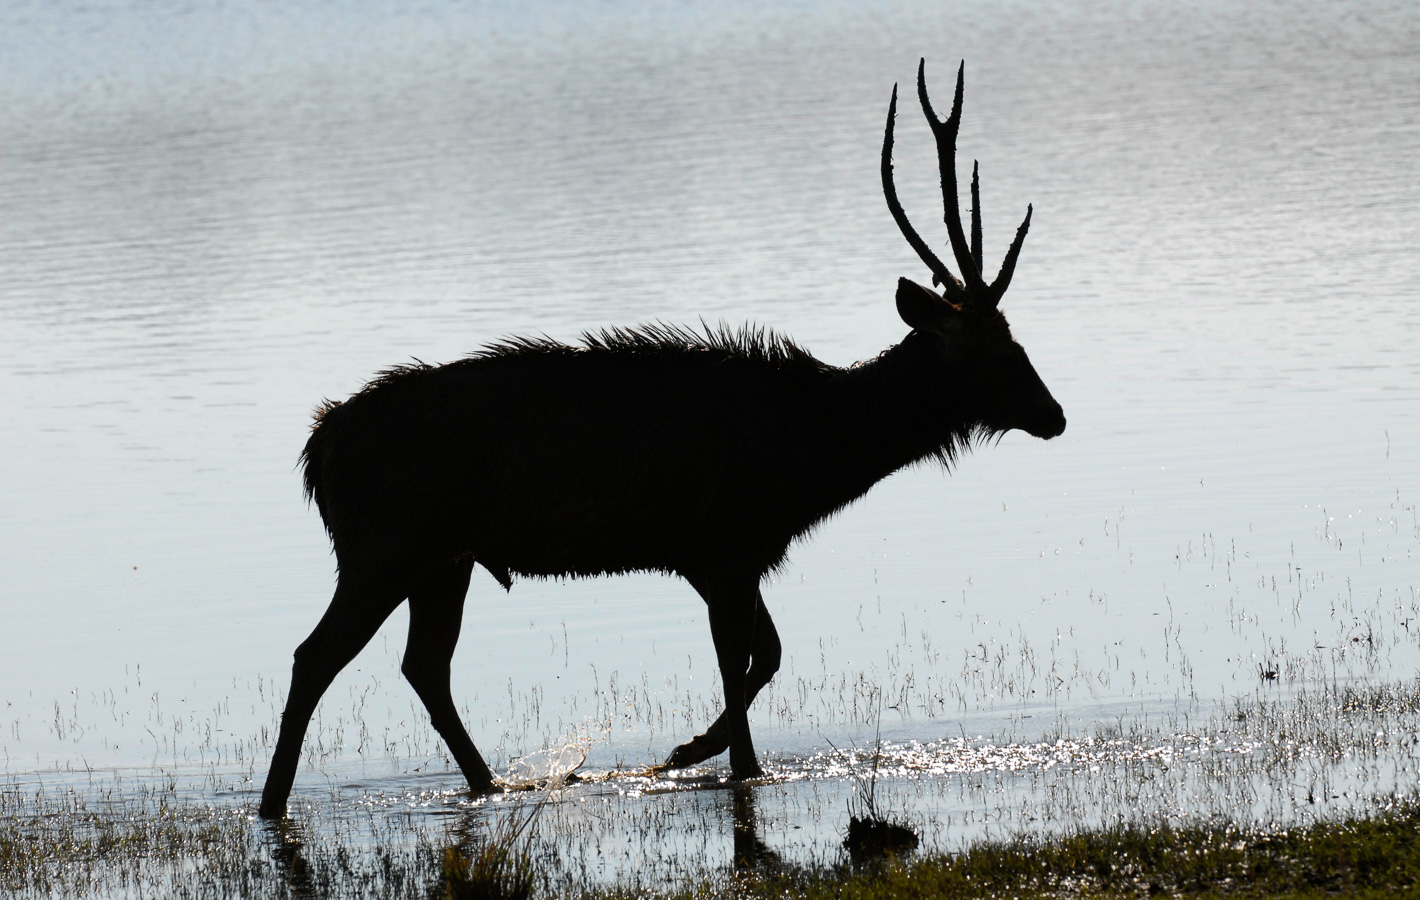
(212, 218)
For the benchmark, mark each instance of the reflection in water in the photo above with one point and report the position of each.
(285, 840)
(751, 851)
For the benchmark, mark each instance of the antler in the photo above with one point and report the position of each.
(940, 273)
(972, 288)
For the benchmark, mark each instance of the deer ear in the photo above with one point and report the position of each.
(919, 307)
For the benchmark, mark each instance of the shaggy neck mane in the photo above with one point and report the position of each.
(900, 418)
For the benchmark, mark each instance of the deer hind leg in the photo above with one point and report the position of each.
(435, 615)
(765, 652)
(357, 610)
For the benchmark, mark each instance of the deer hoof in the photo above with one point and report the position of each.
(698, 749)
(746, 772)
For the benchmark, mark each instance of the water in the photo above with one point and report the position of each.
(214, 217)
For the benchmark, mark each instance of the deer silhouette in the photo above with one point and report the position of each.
(700, 453)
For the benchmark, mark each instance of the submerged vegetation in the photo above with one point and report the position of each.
(211, 852)
(151, 842)
(1304, 795)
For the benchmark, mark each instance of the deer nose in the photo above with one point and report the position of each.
(1058, 427)
(1051, 423)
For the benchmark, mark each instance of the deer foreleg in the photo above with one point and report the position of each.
(747, 644)
(765, 651)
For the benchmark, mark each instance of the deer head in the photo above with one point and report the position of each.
(962, 326)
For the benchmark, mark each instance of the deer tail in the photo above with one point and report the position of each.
(314, 454)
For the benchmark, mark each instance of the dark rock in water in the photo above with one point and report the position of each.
(870, 839)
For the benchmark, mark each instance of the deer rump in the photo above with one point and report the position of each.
(655, 449)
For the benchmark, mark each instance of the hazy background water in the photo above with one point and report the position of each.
(212, 216)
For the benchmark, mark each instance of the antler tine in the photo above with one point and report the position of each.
(976, 217)
(946, 137)
(940, 273)
(1008, 266)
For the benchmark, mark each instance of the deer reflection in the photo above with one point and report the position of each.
(750, 850)
(287, 845)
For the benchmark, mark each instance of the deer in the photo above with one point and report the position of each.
(704, 454)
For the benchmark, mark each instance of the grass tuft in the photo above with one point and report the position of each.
(495, 872)
(872, 835)
(875, 838)
(501, 868)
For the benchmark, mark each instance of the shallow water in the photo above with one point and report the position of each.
(213, 219)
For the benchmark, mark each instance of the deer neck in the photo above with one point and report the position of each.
(893, 412)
